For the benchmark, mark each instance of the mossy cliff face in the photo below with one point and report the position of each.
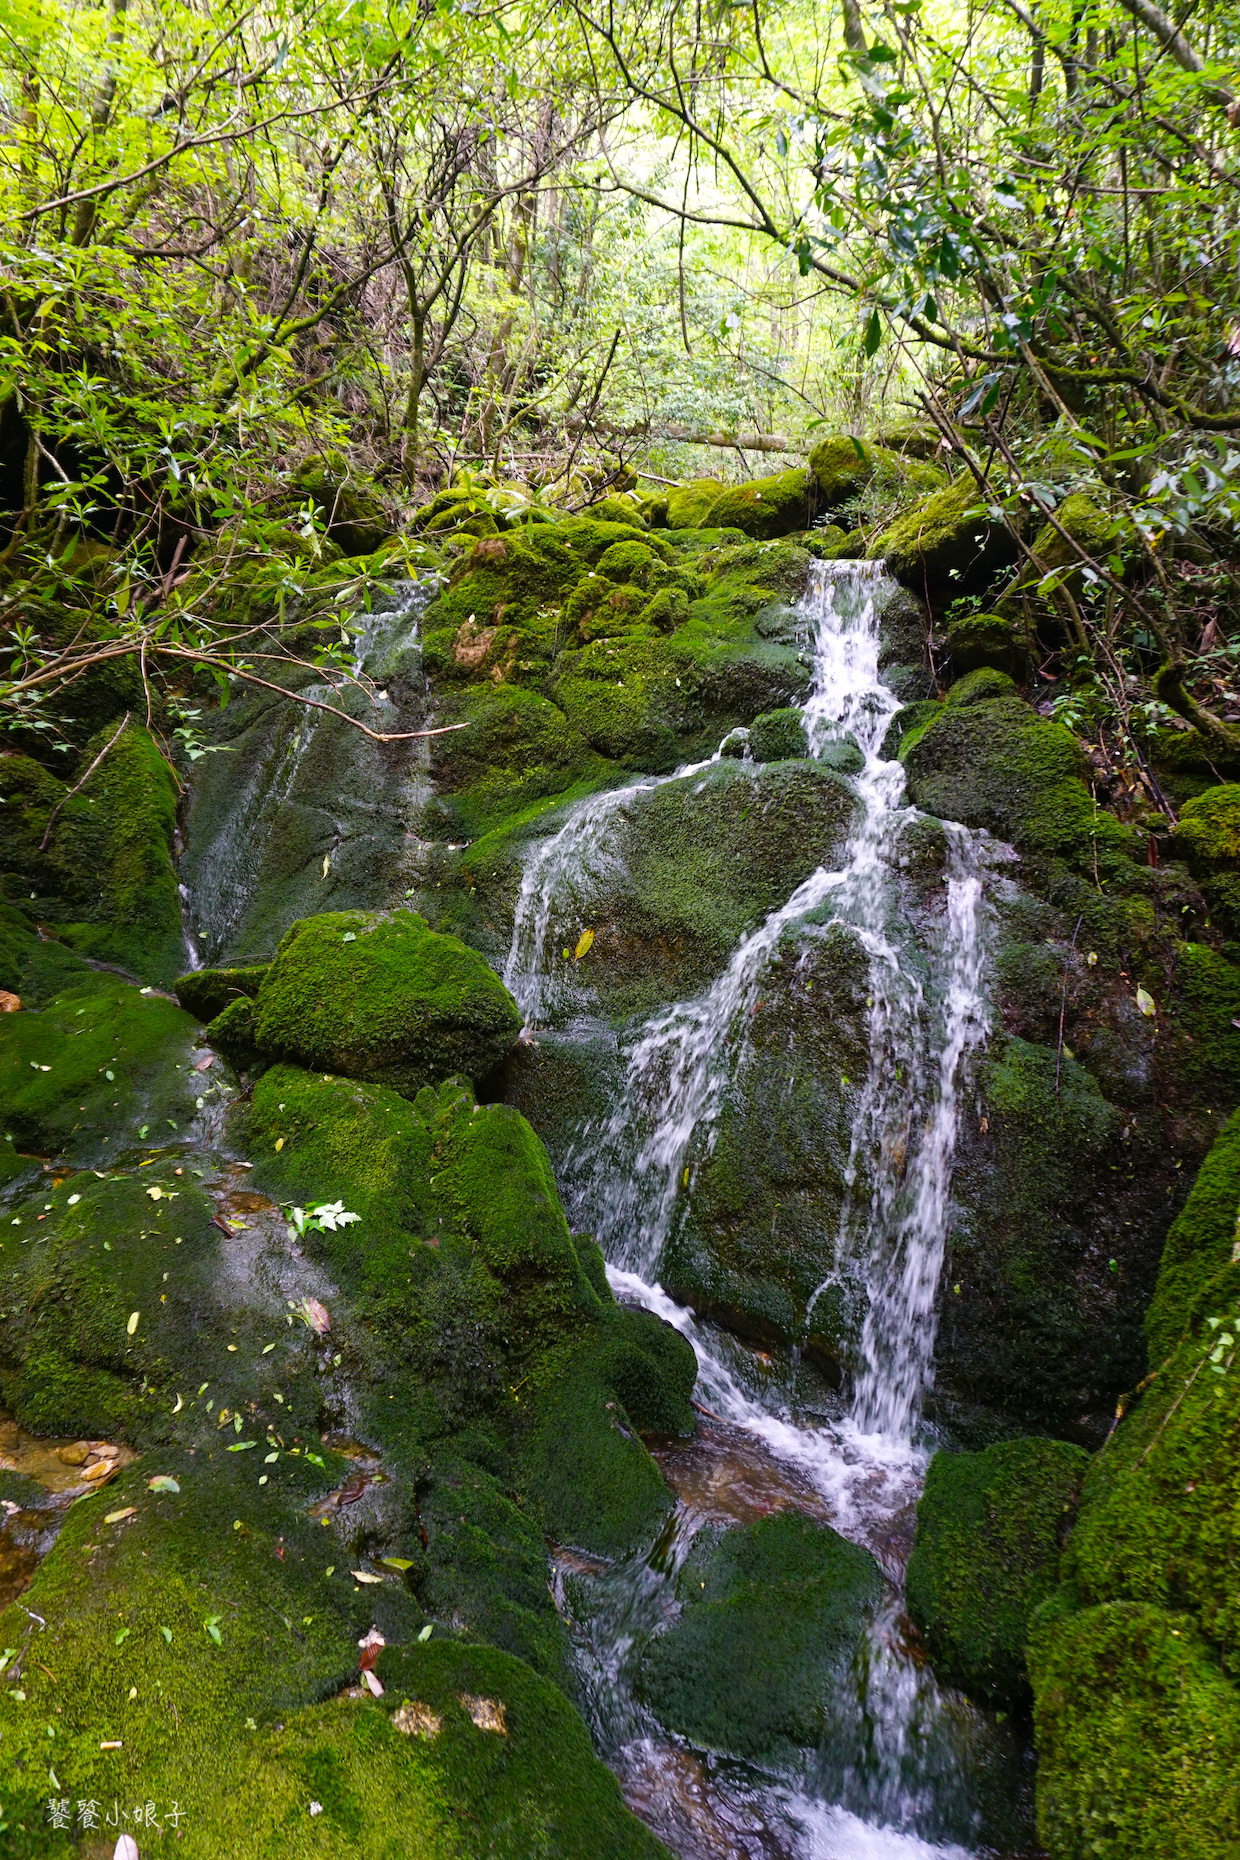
(97, 864)
(417, 1395)
(1134, 1658)
(295, 811)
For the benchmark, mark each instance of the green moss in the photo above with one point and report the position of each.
(778, 735)
(37, 968)
(946, 545)
(519, 748)
(1208, 837)
(1159, 1511)
(581, 1464)
(55, 1091)
(619, 508)
(537, 1792)
(689, 506)
(1138, 1737)
(232, 1032)
(767, 507)
(843, 468)
(983, 758)
(383, 998)
(990, 1527)
(204, 993)
(773, 1614)
(1201, 1242)
(1204, 1033)
(1107, 538)
(1036, 1322)
(988, 639)
(107, 876)
(95, 1255)
(342, 1140)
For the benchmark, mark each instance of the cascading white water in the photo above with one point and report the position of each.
(629, 1177)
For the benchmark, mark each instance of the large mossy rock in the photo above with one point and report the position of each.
(105, 878)
(80, 1073)
(985, 759)
(1201, 1245)
(948, 545)
(1135, 1662)
(767, 507)
(203, 1648)
(980, 639)
(383, 998)
(1208, 837)
(1138, 1737)
(773, 1615)
(990, 1528)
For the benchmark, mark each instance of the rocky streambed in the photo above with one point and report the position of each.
(564, 1287)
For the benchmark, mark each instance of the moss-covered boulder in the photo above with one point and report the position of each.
(1138, 1737)
(984, 758)
(204, 993)
(350, 509)
(946, 546)
(843, 467)
(1080, 524)
(1208, 837)
(582, 1465)
(987, 639)
(205, 1647)
(772, 1618)
(767, 507)
(689, 506)
(105, 877)
(990, 1528)
(1201, 1244)
(383, 998)
(777, 735)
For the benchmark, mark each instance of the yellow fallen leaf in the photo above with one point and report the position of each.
(1145, 1001)
(132, 1325)
(117, 1517)
(279, 1143)
(584, 944)
(361, 1575)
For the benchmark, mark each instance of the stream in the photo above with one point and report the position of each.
(920, 1771)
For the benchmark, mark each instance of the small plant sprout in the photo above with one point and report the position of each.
(326, 1217)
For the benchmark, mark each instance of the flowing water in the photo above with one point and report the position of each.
(906, 1779)
(297, 812)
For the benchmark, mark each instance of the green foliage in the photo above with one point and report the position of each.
(383, 998)
(990, 1527)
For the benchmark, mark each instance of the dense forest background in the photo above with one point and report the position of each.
(278, 273)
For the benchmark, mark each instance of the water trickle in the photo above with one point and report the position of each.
(629, 1178)
(293, 819)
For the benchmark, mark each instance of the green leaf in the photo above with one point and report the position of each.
(873, 337)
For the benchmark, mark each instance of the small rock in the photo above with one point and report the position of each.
(417, 1720)
(487, 1714)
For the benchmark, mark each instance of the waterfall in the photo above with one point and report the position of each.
(628, 1178)
(299, 812)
